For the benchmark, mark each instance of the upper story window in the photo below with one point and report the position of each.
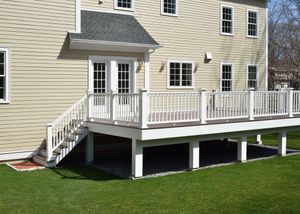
(226, 77)
(124, 4)
(180, 74)
(252, 23)
(4, 75)
(227, 20)
(169, 7)
(252, 76)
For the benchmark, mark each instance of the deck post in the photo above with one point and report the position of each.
(112, 106)
(194, 155)
(137, 159)
(202, 106)
(290, 101)
(49, 140)
(89, 104)
(251, 104)
(242, 149)
(143, 108)
(258, 139)
(282, 142)
(89, 148)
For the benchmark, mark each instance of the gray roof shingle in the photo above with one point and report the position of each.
(112, 27)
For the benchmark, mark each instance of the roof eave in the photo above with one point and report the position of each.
(86, 44)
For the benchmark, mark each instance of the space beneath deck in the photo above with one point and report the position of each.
(163, 160)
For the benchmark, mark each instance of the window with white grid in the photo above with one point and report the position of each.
(252, 23)
(4, 87)
(124, 4)
(226, 77)
(227, 18)
(99, 77)
(123, 78)
(169, 7)
(252, 76)
(180, 74)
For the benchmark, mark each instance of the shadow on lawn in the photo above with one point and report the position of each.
(84, 173)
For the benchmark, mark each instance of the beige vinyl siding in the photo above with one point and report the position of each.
(46, 76)
(195, 31)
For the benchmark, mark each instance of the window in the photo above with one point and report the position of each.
(124, 4)
(169, 7)
(252, 23)
(180, 74)
(4, 75)
(252, 76)
(227, 77)
(99, 77)
(227, 20)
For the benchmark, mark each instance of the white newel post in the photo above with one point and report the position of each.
(251, 104)
(49, 141)
(282, 142)
(113, 106)
(242, 149)
(202, 106)
(258, 139)
(143, 108)
(194, 159)
(290, 101)
(137, 159)
(89, 104)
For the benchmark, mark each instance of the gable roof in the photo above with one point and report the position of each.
(112, 28)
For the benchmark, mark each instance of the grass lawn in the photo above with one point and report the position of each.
(293, 140)
(268, 186)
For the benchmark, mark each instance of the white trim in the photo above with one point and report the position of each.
(111, 62)
(232, 75)
(168, 74)
(78, 16)
(221, 20)
(267, 47)
(108, 11)
(247, 24)
(16, 155)
(257, 75)
(7, 73)
(169, 14)
(116, 7)
(147, 71)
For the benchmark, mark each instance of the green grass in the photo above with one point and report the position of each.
(257, 187)
(293, 140)
(269, 186)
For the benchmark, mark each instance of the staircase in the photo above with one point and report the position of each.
(64, 134)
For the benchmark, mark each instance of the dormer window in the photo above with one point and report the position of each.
(169, 7)
(124, 5)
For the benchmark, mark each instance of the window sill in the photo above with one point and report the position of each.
(169, 14)
(252, 37)
(124, 9)
(180, 88)
(4, 102)
(227, 34)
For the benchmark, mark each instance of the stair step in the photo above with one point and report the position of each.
(43, 153)
(40, 160)
(84, 125)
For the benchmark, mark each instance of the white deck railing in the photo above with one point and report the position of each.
(60, 129)
(145, 108)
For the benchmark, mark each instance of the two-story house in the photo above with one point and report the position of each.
(134, 69)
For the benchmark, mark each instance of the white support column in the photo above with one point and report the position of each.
(242, 149)
(258, 139)
(282, 142)
(49, 141)
(194, 162)
(89, 148)
(137, 159)
(147, 71)
(90, 104)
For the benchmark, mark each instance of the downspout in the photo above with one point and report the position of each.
(267, 46)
